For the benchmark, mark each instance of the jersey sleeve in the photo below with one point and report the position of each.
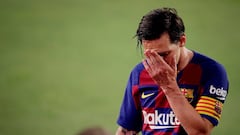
(130, 114)
(215, 91)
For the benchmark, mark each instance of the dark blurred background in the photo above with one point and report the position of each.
(64, 64)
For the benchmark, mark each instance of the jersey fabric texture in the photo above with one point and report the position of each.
(145, 108)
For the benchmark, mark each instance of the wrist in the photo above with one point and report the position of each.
(171, 90)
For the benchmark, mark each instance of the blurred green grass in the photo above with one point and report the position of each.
(65, 63)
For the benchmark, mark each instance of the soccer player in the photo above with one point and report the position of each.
(174, 90)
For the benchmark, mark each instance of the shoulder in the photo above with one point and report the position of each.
(135, 73)
(208, 64)
(213, 73)
(138, 68)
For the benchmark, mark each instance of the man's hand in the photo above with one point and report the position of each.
(123, 131)
(163, 72)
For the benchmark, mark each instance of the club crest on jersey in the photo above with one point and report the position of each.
(188, 93)
(218, 107)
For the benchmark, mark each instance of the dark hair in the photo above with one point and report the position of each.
(159, 21)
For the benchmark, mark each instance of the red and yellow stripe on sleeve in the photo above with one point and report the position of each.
(209, 106)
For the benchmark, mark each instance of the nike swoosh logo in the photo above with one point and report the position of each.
(146, 95)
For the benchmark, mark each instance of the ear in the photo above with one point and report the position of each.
(182, 40)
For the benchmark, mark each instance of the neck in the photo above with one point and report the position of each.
(185, 57)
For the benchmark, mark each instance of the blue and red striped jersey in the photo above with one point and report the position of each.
(145, 108)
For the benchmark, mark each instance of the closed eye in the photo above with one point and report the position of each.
(163, 54)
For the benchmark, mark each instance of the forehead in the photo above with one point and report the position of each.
(162, 43)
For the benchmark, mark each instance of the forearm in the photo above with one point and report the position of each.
(189, 118)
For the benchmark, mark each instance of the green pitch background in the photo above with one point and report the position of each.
(64, 64)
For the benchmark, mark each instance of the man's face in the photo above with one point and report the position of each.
(163, 47)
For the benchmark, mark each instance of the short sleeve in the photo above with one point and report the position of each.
(215, 90)
(130, 116)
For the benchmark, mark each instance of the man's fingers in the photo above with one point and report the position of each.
(147, 67)
(173, 63)
(150, 59)
(158, 59)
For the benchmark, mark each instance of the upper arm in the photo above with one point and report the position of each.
(215, 89)
(130, 116)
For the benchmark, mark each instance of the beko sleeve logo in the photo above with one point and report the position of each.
(220, 92)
